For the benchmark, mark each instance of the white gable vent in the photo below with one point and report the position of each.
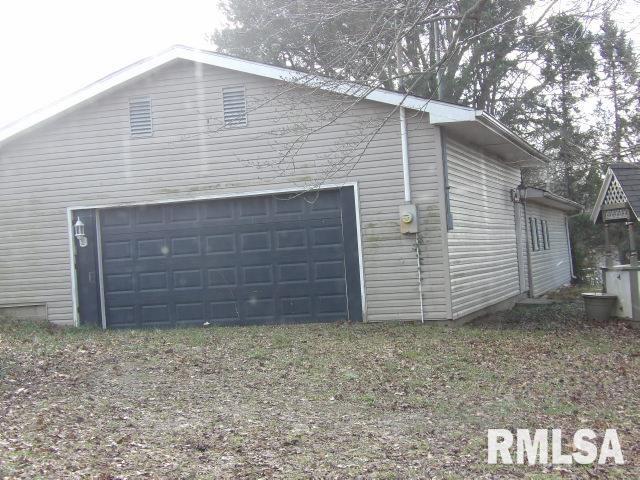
(235, 107)
(140, 117)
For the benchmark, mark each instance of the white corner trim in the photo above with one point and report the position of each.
(356, 195)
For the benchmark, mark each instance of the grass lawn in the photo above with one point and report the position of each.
(381, 401)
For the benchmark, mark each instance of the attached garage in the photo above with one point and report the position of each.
(284, 258)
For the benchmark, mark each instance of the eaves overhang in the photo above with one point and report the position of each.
(549, 199)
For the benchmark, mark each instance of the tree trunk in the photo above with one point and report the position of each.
(617, 128)
(565, 158)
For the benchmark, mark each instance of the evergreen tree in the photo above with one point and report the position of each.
(569, 76)
(619, 72)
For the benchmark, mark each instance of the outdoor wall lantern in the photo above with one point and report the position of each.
(78, 228)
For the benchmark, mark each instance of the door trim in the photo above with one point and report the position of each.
(103, 308)
(253, 193)
(72, 263)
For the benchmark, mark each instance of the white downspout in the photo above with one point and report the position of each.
(529, 240)
(407, 197)
(405, 155)
(419, 260)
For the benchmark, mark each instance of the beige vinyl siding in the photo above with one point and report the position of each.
(87, 157)
(427, 189)
(482, 245)
(551, 268)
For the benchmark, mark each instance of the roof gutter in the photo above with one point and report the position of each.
(569, 203)
(552, 200)
(499, 129)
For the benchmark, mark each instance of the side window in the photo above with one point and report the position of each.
(537, 222)
(546, 230)
(545, 235)
(533, 234)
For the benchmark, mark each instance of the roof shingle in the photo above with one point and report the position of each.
(628, 174)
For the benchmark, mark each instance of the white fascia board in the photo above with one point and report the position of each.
(552, 200)
(511, 137)
(438, 111)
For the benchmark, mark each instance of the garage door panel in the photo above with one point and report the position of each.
(222, 276)
(245, 261)
(121, 223)
(185, 278)
(151, 231)
(116, 249)
(155, 313)
(190, 312)
(225, 311)
(138, 298)
(121, 316)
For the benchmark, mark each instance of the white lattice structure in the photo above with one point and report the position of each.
(615, 195)
(619, 196)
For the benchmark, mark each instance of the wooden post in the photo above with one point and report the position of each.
(607, 247)
(633, 254)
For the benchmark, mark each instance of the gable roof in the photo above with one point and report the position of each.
(627, 176)
(474, 125)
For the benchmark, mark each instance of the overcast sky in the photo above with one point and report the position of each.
(50, 48)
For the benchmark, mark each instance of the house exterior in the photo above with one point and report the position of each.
(193, 187)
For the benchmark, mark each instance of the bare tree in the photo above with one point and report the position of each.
(479, 52)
